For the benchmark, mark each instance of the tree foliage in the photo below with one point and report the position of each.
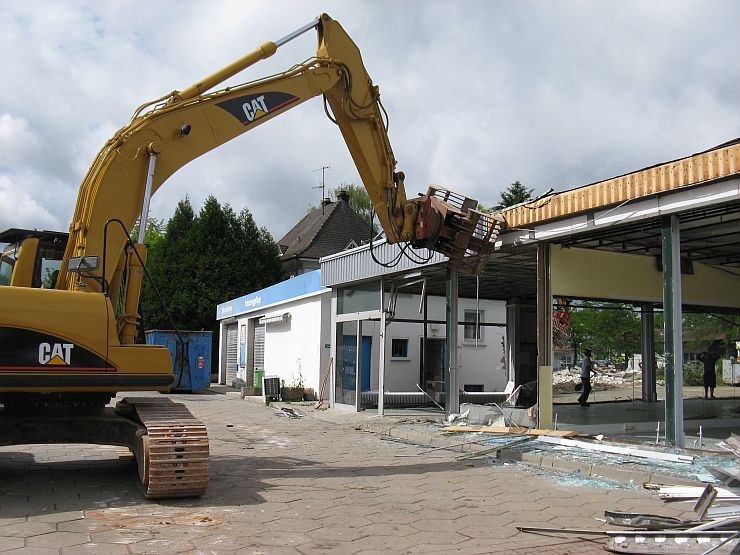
(516, 193)
(612, 330)
(199, 261)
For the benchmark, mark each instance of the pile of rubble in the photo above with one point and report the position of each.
(713, 525)
(564, 381)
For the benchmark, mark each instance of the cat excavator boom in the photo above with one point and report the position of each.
(70, 316)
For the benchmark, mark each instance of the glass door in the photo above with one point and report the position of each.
(346, 367)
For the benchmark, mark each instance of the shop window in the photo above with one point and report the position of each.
(473, 329)
(358, 298)
(399, 348)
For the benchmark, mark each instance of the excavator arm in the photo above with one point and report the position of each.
(165, 135)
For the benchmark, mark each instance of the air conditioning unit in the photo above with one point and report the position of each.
(271, 388)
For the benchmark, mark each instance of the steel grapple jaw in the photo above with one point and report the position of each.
(450, 224)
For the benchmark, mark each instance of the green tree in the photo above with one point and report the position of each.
(702, 329)
(168, 263)
(612, 330)
(516, 193)
(154, 232)
(201, 261)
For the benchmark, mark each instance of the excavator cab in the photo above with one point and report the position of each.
(31, 258)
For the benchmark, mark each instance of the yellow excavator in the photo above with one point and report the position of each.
(70, 302)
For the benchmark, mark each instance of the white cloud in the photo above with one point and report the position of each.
(17, 140)
(479, 93)
(21, 204)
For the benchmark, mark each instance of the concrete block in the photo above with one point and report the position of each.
(527, 458)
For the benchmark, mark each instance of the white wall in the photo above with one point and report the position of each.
(299, 345)
(325, 372)
(479, 364)
(303, 343)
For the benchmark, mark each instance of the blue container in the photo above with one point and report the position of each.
(191, 364)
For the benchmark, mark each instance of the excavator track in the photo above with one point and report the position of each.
(173, 453)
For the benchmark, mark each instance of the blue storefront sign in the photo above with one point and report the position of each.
(298, 286)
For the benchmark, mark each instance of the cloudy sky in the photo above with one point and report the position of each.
(479, 94)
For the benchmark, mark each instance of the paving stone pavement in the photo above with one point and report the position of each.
(298, 486)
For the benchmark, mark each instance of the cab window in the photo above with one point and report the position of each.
(7, 261)
(47, 264)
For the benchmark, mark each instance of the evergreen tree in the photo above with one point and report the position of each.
(168, 263)
(516, 193)
(201, 261)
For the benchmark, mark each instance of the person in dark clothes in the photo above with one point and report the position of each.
(587, 368)
(710, 378)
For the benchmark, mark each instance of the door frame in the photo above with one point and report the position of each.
(337, 342)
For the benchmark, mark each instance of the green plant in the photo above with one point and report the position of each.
(297, 378)
(693, 373)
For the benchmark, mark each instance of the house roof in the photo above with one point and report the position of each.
(323, 231)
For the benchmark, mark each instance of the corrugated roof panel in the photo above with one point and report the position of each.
(717, 163)
(358, 264)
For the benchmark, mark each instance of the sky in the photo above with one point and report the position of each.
(479, 94)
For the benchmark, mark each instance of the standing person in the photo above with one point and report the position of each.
(710, 378)
(587, 368)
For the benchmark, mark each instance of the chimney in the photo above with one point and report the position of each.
(343, 195)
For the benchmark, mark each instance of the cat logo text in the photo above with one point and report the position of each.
(55, 354)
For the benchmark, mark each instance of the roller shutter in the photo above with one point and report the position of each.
(232, 352)
(259, 346)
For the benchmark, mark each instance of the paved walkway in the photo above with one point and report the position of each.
(298, 486)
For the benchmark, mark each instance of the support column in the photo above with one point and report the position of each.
(425, 338)
(222, 353)
(358, 369)
(544, 336)
(647, 319)
(671, 250)
(513, 317)
(334, 351)
(381, 358)
(452, 393)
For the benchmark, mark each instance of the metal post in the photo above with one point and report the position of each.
(647, 319)
(513, 321)
(381, 354)
(334, 352)
(673, 331)
(452, 394)
(425, 337)
(147, 197)
(358, 369)
(544, 336)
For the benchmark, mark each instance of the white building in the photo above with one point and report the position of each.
(298, 330)
(282, 329)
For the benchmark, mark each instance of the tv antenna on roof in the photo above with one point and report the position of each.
(322, 169)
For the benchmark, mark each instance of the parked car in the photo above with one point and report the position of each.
(604, 364)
